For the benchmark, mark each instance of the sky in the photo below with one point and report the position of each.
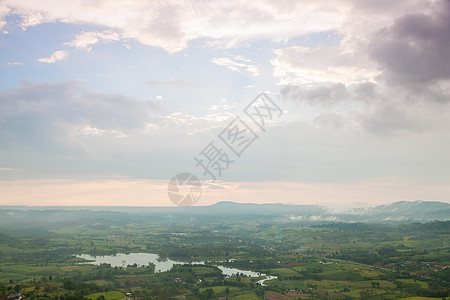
(104, 102)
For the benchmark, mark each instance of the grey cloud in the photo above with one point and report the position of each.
(403, 114)
(383, 111)
(60, 128)
(389, 120)
(366, 91)
(35, 112)
(331, 94)
(68, 101)
(414, 54)
(324, 95)
(333, 121)
(387, 7)
(412, 94)
(415, 50)
(376, 6)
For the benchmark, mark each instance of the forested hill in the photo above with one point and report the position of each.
(403, 211)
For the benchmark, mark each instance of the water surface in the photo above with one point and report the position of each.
(143, 259)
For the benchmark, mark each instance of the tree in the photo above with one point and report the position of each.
(2, 289)
(210, 293)
(68, 285)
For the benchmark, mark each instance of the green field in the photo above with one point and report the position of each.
(355, 261)
(108, 295)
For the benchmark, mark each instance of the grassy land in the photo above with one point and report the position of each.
(345, 260)
(114, 295)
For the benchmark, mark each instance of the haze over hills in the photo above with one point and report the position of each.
(403, 211)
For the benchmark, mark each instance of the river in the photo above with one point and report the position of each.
(161, 265)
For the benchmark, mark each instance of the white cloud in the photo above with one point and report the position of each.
(340, 63)
(4, 11)
(92, 131)
(239, 64)
(172, 24)
(55, 56)
(223, 106)
(85, 39)
(31, 19)
(15, 64)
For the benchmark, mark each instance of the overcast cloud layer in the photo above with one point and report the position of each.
(133, 90)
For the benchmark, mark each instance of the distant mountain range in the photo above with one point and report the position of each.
(403, 211)
(406, 210)
(394, 212)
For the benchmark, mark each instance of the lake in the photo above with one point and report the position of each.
(142, 259)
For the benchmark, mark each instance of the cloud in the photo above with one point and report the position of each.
(15, 64)
(85, 39)
(63, 128)
(399, 114)
(223, 106)
(333, 121)
(92, 131)
(326, 95)
(192, 125)
(57, 114)
(367, 106)
(357, 96)
(391, 71)
(170, 82)
(341, 63)
(4, 11)
(57, 55)
(415, 50)
(401, 42)
(238, 64)
(172, 24)
(350, 84)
